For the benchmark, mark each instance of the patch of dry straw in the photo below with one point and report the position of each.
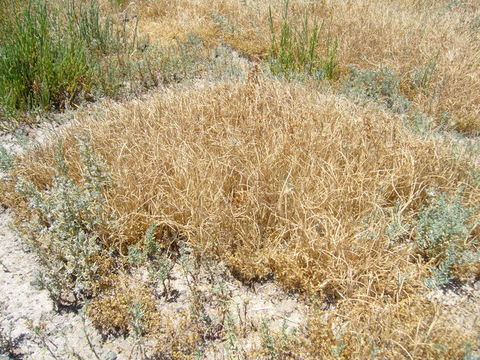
(275, 180)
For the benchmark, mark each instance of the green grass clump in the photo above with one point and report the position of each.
(55, 57)
(50, 57)
(42, 64)
(444, 236)
(294, 49)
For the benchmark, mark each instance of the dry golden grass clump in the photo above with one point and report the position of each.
(272, 177)
(433, 45)
(278, 180)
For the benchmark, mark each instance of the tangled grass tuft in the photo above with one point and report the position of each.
(277, 180)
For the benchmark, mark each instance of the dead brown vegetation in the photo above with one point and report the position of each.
(277, 180)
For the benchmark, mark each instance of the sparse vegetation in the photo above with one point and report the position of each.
(315, 150)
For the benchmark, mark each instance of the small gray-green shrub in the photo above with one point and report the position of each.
(475, 24)
(6, 160)
(470, 353)
(148, 253)
(65, 228)
(396, 229)
(475, 176)
(421, 77)
(443, 230)
(380, 86)
(223, 22)
(421, 124)
(9, 346)
(268, 342)
(276, 345)
(137, 328)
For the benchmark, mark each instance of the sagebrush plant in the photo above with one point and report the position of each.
(475, 176)
(233, 349)
(65, 228)
(138, 329)
(422, 76)
(277, 345)
(268, 342)
(41, 333)
(9, 346)
(444, 235)
(6, 159)
(423, 125)
(381, 86)
(150, 254)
